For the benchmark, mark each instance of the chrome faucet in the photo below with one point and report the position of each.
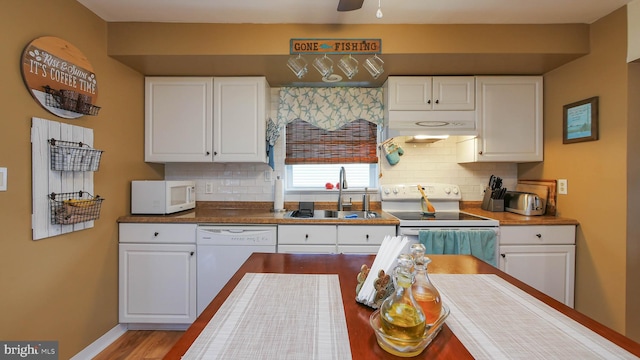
(342, 181)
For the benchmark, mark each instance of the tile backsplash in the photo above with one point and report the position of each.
(420, 163)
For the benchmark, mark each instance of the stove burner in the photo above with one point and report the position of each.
(446, 215)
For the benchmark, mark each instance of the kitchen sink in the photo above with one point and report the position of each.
(332, 214)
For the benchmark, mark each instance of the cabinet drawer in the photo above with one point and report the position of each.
(307, 234)
(158, 233)
(364, 234)
(538, 235)
(307, 249)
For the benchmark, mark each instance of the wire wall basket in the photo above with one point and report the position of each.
(74, 207)
(70, 100)
(73, 156)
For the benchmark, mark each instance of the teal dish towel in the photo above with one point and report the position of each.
(479, 243)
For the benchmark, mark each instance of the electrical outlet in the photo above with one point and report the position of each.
(563, 187)
(267, 175)
(3, 179)
(208, 187)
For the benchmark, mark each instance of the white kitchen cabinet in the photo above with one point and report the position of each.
(240, 110)
(509, 121)
(205, 119)
(542, 257)
(362, 239)
(307, 239)
(178, 119)
(157, 273)
(430, 93)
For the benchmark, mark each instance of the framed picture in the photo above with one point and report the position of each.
(580, 121)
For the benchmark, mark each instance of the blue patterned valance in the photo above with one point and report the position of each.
(330, 108)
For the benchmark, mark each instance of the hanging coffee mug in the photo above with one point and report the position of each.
(349, 66)
(374, 66)
(324, 65)
(298, 65)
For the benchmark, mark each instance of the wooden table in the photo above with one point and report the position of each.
(361, 337)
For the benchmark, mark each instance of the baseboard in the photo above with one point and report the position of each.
(101, 343)
(167, 327)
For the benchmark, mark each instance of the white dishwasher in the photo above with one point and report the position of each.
(221, 250)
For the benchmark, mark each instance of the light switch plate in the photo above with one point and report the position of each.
(3, 179)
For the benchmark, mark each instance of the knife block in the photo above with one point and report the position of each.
(489, 204)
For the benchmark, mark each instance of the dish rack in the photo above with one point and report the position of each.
(73, 156)
(74, 207)
(70, 100)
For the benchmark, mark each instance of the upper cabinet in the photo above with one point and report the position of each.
(205, 119)
(178, 119)
(509, 121)
(240, 110)
(430, 93)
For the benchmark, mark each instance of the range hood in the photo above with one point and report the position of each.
(412, 123)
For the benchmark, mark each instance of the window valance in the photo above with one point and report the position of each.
(330, 108)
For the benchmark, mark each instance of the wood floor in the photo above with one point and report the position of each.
(140, 345)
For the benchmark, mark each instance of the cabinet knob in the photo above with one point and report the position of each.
(503, 255)
(539, 236)
(367, 236)
(215, 153)
(480, 153)
(208, 153)
(191, 253)
(306, 236)
(156, 233)
(428, 101)
(437, 101)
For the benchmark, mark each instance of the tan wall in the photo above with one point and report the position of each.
(64, 288)
(593, 166)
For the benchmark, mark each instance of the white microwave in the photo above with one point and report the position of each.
(162, 196)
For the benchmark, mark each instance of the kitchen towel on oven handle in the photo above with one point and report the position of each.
(480, 243)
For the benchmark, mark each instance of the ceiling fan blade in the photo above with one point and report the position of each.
(349, 5)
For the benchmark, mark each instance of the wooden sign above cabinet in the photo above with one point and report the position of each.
(60, 78)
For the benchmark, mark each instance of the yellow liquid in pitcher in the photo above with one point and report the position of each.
(401, 321)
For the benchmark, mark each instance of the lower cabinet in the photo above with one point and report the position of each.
(542, 257)
(332, 239)
(157, 281)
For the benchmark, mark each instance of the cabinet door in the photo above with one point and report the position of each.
(509, 118)
(548, 268)
(409, 93)
(240, 110)
(454, 93)
(157, 283)
(178, 119)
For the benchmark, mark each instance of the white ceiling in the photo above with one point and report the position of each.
(324, 11)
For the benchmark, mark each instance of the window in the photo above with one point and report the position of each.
(314, 156)
(315, 176)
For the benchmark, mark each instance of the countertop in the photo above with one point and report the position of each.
(260, 213)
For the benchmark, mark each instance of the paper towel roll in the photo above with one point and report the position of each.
(278, 202)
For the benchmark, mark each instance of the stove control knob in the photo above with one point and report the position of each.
(395, 190)
(447, 190)
(455, 190)
(386, 191)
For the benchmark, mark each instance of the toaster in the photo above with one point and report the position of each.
(524, 203)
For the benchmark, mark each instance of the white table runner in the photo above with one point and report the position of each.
(495, 320)
(277, 316)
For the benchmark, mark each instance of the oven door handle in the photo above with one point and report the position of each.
(410, 232)
(416, 232)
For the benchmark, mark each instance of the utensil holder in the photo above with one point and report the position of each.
(489, 204)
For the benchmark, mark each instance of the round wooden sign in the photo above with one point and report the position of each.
(60, 78)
